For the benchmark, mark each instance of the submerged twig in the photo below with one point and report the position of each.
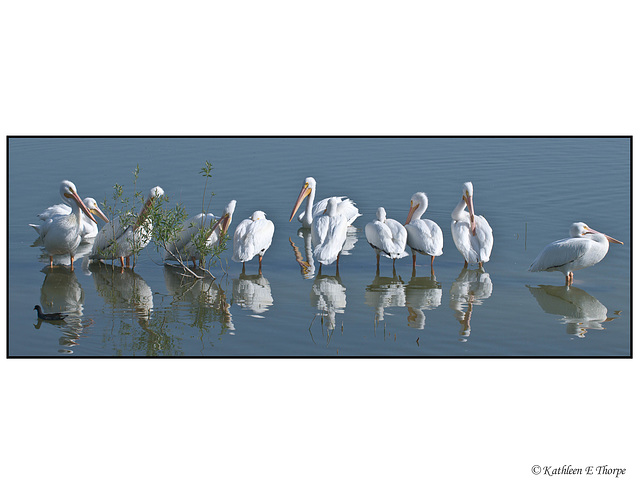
(314, 319)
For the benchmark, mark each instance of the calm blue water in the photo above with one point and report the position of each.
(529, 189)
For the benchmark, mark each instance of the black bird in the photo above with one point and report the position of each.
(49, 316)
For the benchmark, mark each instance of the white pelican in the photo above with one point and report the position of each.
(387, 236)
(471, 233)
(583, 249)
(345, 206)
(329, 233)
(424, 236)
(216, 228)
(62, 234)
(89, 228)
(126, 236)
(253, 236)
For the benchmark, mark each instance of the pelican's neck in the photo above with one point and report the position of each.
(458, 212)
(308, 212)
(77, 213)
(332, 209)
(601, 240)
(419, 212)
(601, 248)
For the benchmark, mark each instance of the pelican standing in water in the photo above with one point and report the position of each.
(216, 227)
(253, 236)
(62, 234)
(345, 206)
(89, 228)
(583, 249)
(424, 236)
(126, 236)
(471, 233)
(386, 236)
(329, 233)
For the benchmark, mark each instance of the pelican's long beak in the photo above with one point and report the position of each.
(589, 230)
(83, 207)
(224, 223)
(145, 211)
(472, 218)
(614, 241)
(412, 210)
(306, 190)
(98, 212)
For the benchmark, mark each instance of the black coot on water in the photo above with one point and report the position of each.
(49, 316)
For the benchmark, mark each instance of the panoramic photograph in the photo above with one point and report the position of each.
(319, 247)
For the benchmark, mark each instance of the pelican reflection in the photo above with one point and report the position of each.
(123, 289)
(385, 292)
(328, 297)
(202, 298)
(252, 292)
(422, 293)
(307, 266)
(580, 311)
(62, 293)
(470, 289)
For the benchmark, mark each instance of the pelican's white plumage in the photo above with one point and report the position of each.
(424, 236)
(89, 228)
(123, 236)
(252, 237)
(386, 236)
(329, 233)
(184, 246)
(583, 249)
(471, 233)
(345, 206)
(62, 234)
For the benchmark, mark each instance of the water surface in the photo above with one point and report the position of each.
(529, 189)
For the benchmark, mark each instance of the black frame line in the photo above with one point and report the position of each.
(354, 136)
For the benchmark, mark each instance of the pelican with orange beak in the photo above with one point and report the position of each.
(346, 207)
(583, 249)
(471, 233)
(126, 236)
(424, 236)
(214, 228)
(62, 234)
(89, 228)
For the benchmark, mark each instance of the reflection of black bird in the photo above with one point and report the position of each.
(49, 316)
